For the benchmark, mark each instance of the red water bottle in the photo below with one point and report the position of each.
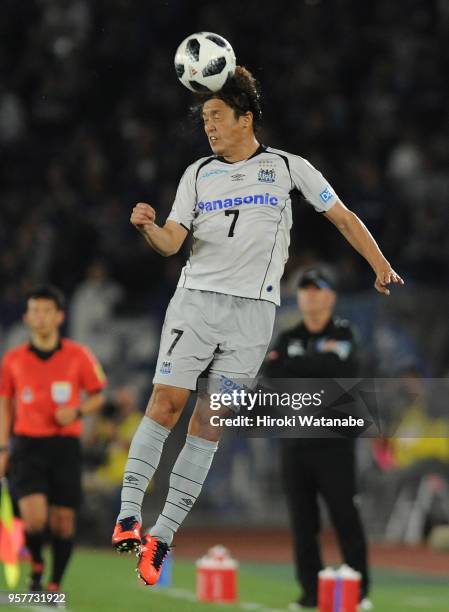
(217, 576)
(347, 590)
(326, 588)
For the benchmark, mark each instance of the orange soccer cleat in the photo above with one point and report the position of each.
(151, 558)
(126, 536)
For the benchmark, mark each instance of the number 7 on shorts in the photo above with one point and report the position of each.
(178, 333)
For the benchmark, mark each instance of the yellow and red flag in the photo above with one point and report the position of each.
(9, 540)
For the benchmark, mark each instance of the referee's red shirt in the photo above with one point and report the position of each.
(39, 386)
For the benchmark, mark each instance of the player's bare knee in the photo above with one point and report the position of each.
(165, 406)
(34, 512)
(62, 523)
(34, 523)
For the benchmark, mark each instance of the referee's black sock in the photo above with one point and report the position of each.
(62, 551)
(34, 542)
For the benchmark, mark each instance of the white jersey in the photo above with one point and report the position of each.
(240, 215)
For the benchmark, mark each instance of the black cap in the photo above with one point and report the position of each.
(317, 277)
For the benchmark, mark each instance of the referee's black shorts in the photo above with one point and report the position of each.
(48, 465)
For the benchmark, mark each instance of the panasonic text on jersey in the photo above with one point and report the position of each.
(259, 198)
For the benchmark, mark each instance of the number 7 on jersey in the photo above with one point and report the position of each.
(234, 221)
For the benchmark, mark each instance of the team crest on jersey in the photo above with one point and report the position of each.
(266, 175)
(61, 391)
(166, 367)
(27, 395)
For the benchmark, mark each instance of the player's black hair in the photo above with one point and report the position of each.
(241, 92)
(47, 292)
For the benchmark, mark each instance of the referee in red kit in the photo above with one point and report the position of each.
(46, 386)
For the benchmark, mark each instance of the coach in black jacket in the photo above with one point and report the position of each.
(320, 346)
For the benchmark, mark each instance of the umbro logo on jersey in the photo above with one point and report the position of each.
(187, 501)
(130, 478)
(237, 177)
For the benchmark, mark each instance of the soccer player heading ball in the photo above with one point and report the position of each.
(237, 205)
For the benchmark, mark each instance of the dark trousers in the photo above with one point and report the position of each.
(325, 467)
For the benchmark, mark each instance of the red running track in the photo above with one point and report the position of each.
(274, 545)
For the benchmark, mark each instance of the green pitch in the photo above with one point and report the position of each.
(104, 582)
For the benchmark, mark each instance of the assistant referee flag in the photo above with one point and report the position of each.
(9, 551)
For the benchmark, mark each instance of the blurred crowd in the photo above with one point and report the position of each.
(92, 119)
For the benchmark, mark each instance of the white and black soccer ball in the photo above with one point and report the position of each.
(204, 61)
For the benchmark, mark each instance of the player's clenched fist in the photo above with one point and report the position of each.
(143, 216)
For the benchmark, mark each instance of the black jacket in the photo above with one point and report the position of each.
(298, 353)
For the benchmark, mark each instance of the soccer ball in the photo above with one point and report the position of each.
(204, 61)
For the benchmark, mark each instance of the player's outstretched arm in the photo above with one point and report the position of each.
(360, 238)
(165, 240)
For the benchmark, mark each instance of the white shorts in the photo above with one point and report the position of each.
(225, 334)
